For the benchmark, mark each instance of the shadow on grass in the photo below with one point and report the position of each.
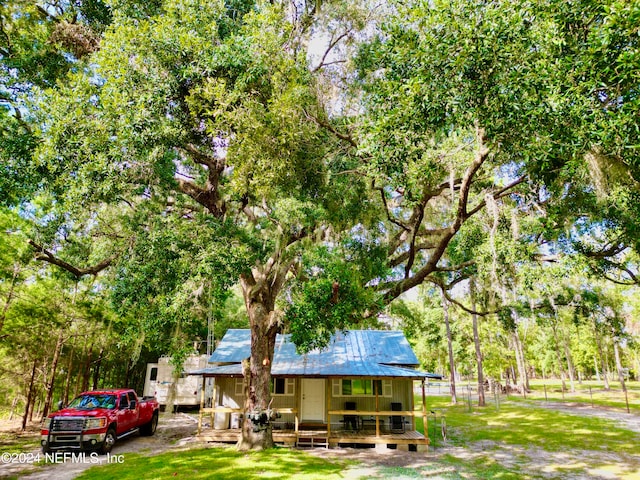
(487, 468)
(220, 463)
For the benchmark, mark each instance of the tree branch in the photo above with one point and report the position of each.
(45, 255)
(328, 50)
(200, 157)
(326, 125)
(498, 194)
(462, 215)
(207, 197)
(465, 187)
(471, 311)
(46, 14)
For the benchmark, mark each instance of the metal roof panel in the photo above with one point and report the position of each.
(356, 353)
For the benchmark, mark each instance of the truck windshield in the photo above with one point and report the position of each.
(89, 402)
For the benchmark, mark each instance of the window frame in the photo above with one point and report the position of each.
(337, 387)
(239, 386)
(289, 387)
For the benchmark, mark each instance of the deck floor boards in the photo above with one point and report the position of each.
(336, 437)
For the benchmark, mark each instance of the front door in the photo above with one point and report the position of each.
(312, 402)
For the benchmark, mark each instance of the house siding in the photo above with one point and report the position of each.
(401, 392)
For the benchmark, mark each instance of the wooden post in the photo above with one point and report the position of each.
(413, 406)
(424, 412)
(328, 386)
(626, 399)
(377, 410)
(216, 392)
(204, 382)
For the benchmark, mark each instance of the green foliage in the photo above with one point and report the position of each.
(173, 274)
(330, 293)
(36, 42)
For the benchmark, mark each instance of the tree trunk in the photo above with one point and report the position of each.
(86, 371)
(259, 297)
(452, 368)
(79, 374)
(567, 355)
(523, 384)
(558, 356)
(127, 374)
(67, 382)
(30, 395)
(172, 393)
(616, 351)
(96, 370)
(603, 369)
(52, 379)
(10, 295)
(476, 341)
(520, 380)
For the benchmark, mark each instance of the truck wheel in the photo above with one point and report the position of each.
(149, 428)
(109, 441)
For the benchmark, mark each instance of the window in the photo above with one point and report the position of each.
(283, 386)
(153, 376)
(361, 387)
(240, 386)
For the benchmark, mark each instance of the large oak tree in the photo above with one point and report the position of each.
(211, 125)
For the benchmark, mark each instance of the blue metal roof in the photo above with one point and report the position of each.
(378, 346)
(356, 353)
(326, 371)
(233, 370)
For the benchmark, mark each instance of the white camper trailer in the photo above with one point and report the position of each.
(159, 382)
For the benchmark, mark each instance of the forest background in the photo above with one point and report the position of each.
(174, 168)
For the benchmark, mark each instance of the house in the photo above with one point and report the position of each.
(359, 390)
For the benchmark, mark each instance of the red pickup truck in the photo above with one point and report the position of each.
(96, 420)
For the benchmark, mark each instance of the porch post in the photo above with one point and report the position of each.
(377, 409)
(214, 400)
(296, 417)
(412, 402)
(328, 386)
(204, 381)
(424, 412)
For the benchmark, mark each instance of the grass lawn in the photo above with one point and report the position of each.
(224, 463)
(588, 392)
(528, 424)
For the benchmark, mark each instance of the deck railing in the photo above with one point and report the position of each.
(220, 409)
(376, 414)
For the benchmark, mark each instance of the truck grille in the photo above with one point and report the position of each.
(67, 424)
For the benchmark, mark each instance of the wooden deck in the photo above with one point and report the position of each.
(319, 438)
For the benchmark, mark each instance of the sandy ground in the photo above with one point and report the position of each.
(178, 431)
